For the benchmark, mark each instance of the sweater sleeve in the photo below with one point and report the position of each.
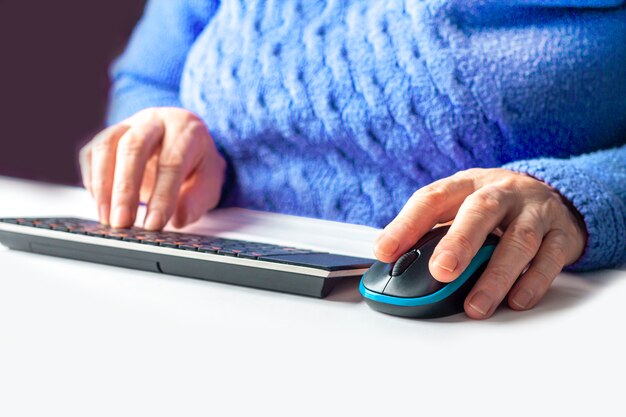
(561, 3)
(148, 73)
(595, 184)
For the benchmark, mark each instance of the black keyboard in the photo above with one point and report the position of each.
(254, 264)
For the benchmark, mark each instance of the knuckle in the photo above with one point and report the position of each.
(555, 206)
(404, 224)
(183, 120)
(191, 118)
(498, 278)
(509, 184)
(102, 144)
(162, 201)
(100, 187)
(147, 114)
(171, 162)
(194, 124)
(194, 134)
(195, 140)
(470, 174)
(555, 255)
(486, 203)
(543, 277)
(534, 213)
(460, 241)
(131, 145)
(124, 187)
(431, 197)
(524, 239)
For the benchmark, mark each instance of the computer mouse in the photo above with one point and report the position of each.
(406, 288)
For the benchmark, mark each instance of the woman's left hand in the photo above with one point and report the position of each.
(539, 230)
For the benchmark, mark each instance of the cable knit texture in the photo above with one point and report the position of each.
(342, 109)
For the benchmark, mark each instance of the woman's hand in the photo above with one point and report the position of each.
(539, 232)
(162, 156)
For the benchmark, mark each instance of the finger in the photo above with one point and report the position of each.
(478, 216)
(84, 158)
(103, 154)
(149, 176)
(533, 285)
(133, 151)
(435, 203)
(200, 193)
(181, 153)
(516, 248)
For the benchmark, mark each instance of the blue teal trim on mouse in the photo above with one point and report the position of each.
(481, 257)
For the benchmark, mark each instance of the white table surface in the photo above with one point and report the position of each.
(81, 339)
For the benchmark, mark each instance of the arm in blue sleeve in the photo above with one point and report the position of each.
(595, 184)
(149, 71)
(560, 3)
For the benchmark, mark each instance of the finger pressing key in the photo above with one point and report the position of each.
(84, 158)
(181, 152)
(133, 151)
(103, 155)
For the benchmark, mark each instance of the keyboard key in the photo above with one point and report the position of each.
(249, 255)
(228, 252)
(207, 249)
(188, 247)
(132, 239)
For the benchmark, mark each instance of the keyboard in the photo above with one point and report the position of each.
(241, 262)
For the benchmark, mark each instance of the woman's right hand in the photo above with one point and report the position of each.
(164, 157)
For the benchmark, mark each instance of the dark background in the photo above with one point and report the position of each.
(54, 59)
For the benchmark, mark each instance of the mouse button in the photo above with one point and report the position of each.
(377, 277)
(418, 283)
(415, 282)
(428, 248)
(433, 235)
(404, 262)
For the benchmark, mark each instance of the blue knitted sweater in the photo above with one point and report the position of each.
(341, 109)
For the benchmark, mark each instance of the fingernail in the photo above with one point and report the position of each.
(121, 217)
(523, 298)
(446, 260)
(103, 213)
(481, 302)
(386, 245)
(154, 221)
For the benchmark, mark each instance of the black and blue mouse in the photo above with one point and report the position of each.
(406, 288)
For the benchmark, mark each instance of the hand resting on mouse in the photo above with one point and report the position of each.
(542, 233)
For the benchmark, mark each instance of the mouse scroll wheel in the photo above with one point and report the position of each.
(404, 262)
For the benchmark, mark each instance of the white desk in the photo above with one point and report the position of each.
(80, 339)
